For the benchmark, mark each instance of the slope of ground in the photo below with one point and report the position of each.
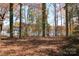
(32, 46)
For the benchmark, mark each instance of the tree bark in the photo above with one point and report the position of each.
(61, 18)
(66, 19)
(43, 18)
(11, 20)
(55, 19)
(20, 21)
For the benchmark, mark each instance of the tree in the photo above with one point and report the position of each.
(66, 16)
(3, 11)
(55, 19)
(39, 24)
(77, 7)
(43, 18)
(73, 40)
(76, 29)
(20, 20)
(11, 20)
(61, 15)
(72, 13)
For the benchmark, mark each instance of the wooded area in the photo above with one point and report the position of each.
(39, 29)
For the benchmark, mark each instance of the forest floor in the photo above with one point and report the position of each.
(31, 46)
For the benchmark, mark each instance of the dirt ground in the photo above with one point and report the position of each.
(31, 46)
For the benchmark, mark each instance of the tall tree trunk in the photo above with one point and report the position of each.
(43, 18)
(57, 30)
(61, 17)
(66, 19)
(11, 20)
(25, 21)
(20, 21)
(71, 20)
(48, 29)
(0, 24)
(55, 19)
